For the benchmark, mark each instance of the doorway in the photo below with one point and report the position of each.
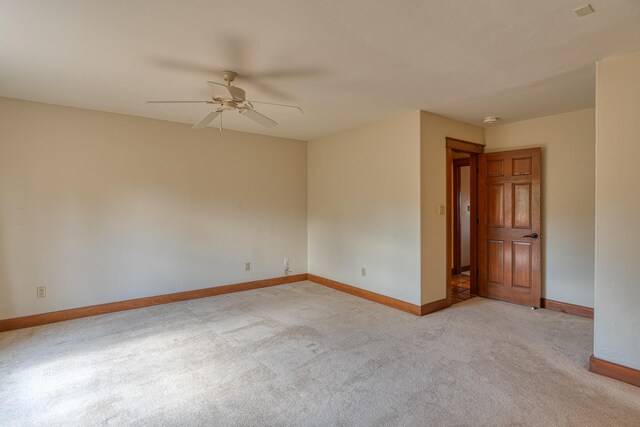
(461, 219)
(460, 281)
(504, 217)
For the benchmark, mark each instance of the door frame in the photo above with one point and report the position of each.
(473, 149)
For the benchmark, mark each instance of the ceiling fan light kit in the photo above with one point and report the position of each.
(227, 97)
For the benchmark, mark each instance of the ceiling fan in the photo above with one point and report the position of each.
(228, 98)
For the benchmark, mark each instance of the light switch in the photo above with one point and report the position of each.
(442, 210)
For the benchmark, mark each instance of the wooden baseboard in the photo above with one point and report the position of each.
(432, 307)
(565, 307)
(112, 307)
(615, 371)
(380, 299)
(371, 296)
(76, 313)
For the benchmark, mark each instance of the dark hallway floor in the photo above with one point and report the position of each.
(460, 288)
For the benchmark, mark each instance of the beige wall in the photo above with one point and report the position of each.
(364, 207)
(103, 207)
(433, 131)
(617, 292)
(568, 197)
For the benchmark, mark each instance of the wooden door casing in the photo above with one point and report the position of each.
(509, 214)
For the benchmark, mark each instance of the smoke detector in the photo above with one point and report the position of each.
(489, 120)
(585, 10)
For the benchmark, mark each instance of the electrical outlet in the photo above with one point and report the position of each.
(41, 291)
(247, 266)
(364, 272)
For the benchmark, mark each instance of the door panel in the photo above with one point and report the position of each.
(495, 204)
(495, 167)
(521, 263)
(495, 264)
(522, 166)
(508, 226)
(522, 206)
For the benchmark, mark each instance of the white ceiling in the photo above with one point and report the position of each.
(356, 60)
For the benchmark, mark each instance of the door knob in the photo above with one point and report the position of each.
(532, 235)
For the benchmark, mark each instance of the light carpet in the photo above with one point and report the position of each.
(302, 354)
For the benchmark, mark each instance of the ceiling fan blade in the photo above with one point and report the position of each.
(216, 83)
(284, 74)
(280, 108)
(235, 50)
(221, 90)
(178, 65)
(177, 102)
(268, 89)
(259, 118)
(206, 119)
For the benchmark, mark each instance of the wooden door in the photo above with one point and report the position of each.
(509, 226)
